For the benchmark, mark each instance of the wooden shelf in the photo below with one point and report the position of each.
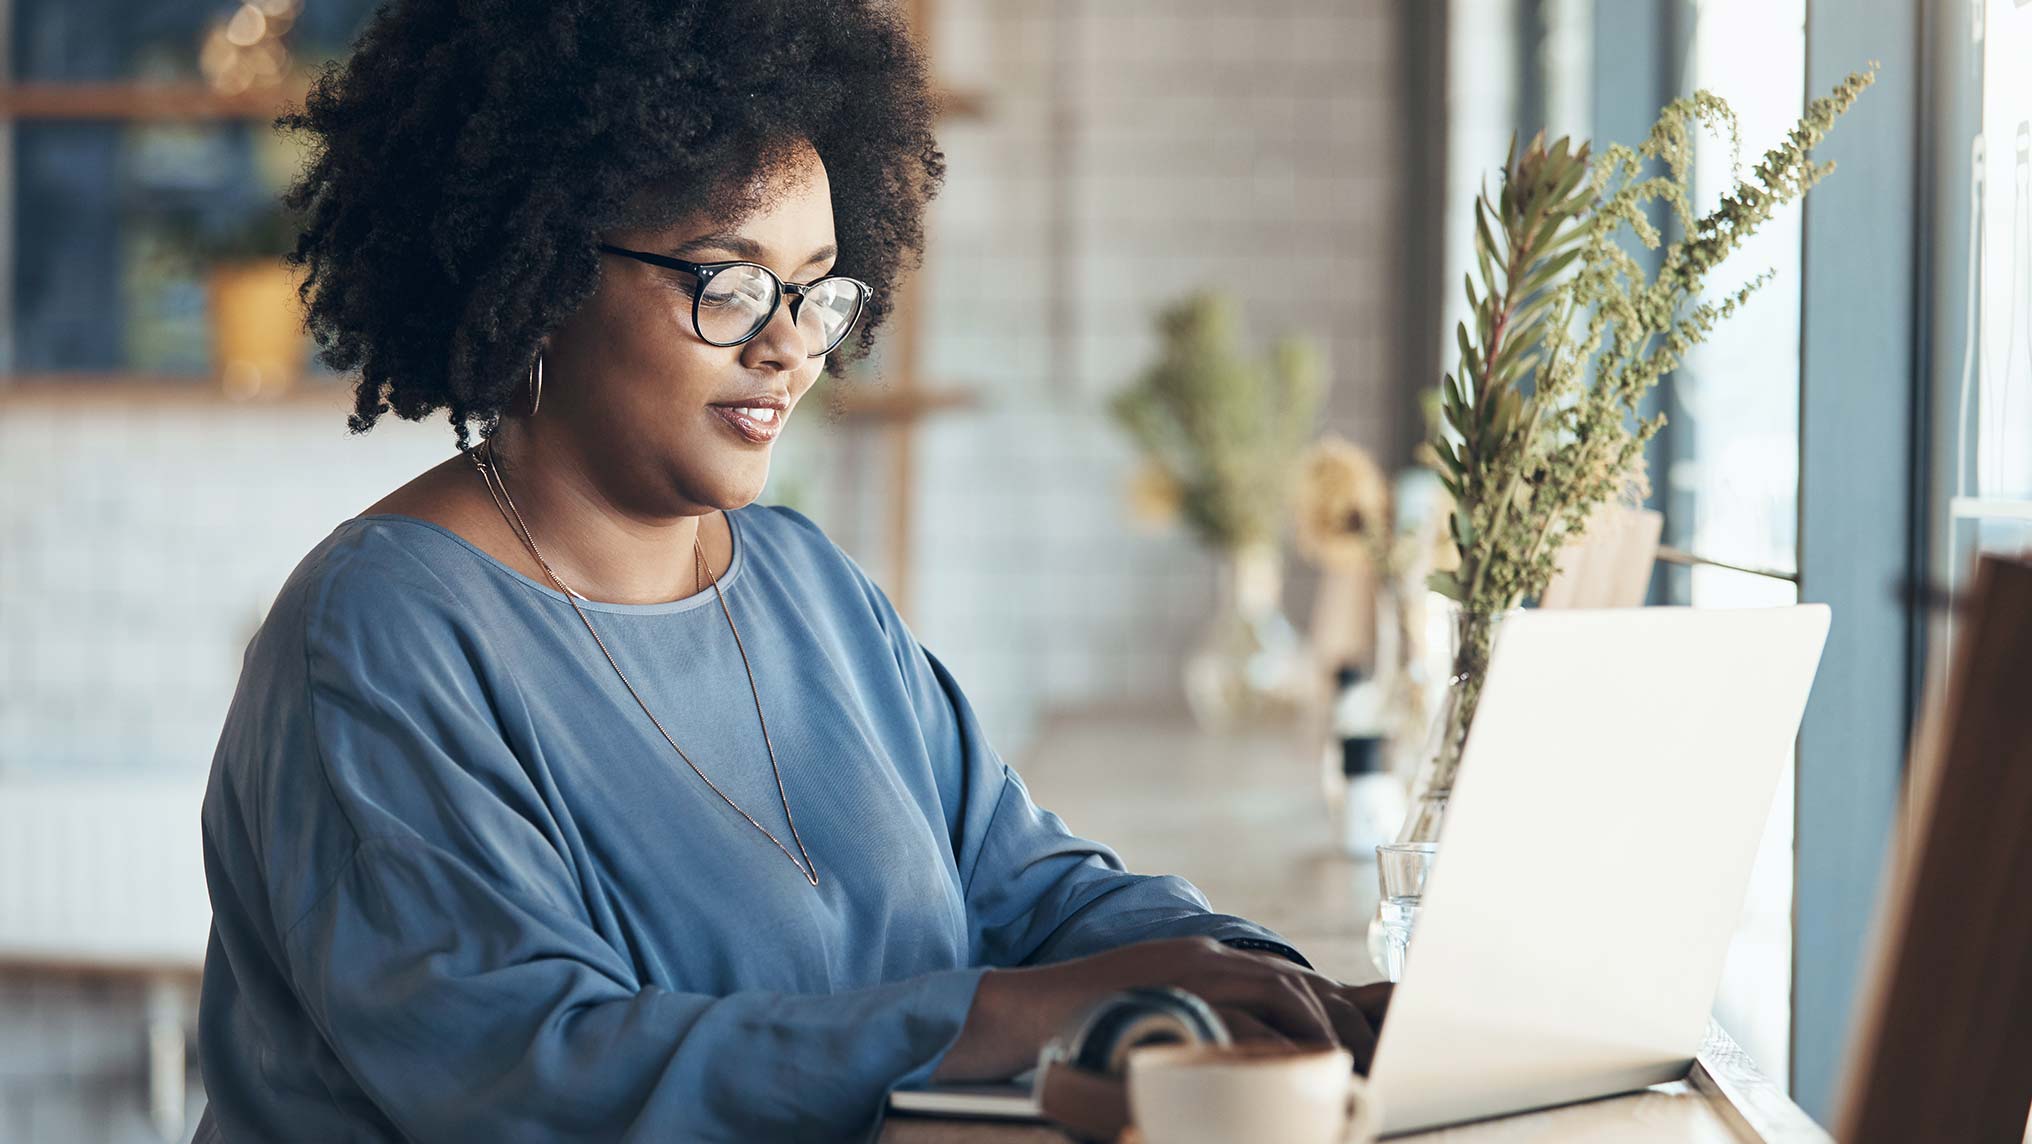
(142, 102)
(91, 968)
(144, 389)
(901, 406)
(181, 102)
(954, 103)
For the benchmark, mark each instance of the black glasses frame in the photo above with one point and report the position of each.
(705, 271)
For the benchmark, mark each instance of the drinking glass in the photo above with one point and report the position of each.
(1401, 869)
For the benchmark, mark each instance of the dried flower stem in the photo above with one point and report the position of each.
(1541, 422)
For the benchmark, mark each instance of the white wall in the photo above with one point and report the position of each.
(139, 547)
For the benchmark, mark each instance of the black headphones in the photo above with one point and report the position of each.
(1082, 1073)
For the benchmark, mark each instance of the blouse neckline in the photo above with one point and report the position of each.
(735, 564)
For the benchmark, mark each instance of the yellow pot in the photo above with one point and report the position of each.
(258, 342)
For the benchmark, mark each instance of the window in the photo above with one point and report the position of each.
(1732, 486)
(139, 155)
(1983, 457)
(1727, 474)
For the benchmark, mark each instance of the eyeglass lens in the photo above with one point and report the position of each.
(736, 302)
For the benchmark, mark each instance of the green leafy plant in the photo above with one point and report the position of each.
(1225, 430)
(1542, 422)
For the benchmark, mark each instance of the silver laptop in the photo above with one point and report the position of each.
(1595, 857)
(1598, 846)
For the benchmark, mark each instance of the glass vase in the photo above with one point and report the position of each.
(1251, 667)
(1472, 641)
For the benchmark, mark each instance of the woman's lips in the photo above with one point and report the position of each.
(756, 432)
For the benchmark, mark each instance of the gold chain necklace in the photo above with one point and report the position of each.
(490, 475)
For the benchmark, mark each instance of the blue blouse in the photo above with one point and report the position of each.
(462, 888)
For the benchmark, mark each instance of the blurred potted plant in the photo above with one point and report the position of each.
(1541, 422)
(1220, 433)
(259, 348)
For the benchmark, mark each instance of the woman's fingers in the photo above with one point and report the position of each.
(1354, 1012)
(1351, 1031)
(1372, 999)
(1274, 993)
(1352, 1028)
(1286, 1003)
(1348, 1009)
(1245, 1028)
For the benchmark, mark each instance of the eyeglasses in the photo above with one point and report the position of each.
(734, 301)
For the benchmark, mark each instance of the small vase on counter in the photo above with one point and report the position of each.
(1473, 642)
(1474, 634)
(1251, 668)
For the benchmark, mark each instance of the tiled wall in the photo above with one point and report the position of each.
(140, 544)
(1131, 151)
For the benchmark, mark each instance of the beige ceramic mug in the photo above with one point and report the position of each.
(1221, 1094)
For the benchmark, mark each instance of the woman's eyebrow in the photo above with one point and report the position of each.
(740, 246)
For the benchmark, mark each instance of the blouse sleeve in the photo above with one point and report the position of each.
(1035, 891)
(453, 967)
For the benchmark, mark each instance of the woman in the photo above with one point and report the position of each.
(567, 793)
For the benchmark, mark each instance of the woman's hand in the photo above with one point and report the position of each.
(1257, 997)
(1355, 1010)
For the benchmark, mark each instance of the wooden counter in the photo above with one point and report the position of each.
(1243, 819)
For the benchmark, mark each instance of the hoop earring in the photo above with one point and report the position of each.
(536, 383)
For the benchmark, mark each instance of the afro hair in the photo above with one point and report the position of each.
(466, 157)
